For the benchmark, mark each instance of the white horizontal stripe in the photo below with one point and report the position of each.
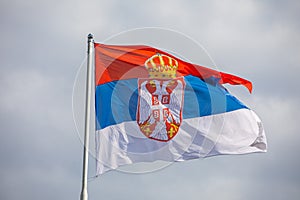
(236, 132)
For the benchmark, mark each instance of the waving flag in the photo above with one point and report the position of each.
(153, 106)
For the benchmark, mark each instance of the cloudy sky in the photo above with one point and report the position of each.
(43, 44)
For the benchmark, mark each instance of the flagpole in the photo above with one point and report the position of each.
(84, 193)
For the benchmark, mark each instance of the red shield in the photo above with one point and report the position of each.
(160, 103)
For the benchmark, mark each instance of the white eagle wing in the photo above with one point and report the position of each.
(145, 102)
(176, 101)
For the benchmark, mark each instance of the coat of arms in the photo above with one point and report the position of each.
(160, 103)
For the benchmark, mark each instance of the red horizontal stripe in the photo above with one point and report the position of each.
(114, 62)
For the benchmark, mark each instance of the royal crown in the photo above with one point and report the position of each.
(161, 66)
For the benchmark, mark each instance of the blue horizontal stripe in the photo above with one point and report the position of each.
(116, 101)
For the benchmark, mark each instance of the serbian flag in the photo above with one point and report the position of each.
(151, 105)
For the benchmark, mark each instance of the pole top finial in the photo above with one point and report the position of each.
(90, 36)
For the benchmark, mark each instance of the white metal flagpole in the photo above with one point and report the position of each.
(84, 193)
